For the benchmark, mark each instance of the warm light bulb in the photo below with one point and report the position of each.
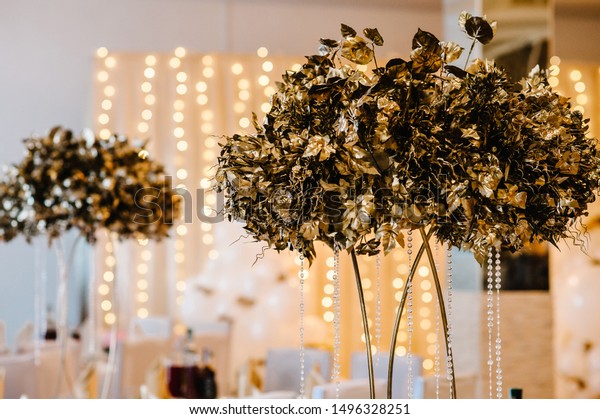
(181, 89)
(150, 100)
(237, 68)
(263, 80)
(150, 60)
(267, 66)
(262, 52)
(109, 318)
(174, 62)
(110, 62)
(244, 122)
(101, 52)
(201, 86)
(102, 76)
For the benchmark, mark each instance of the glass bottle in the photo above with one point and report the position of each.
(50, 332)
(206, 380)
(515, 393)
(183, 370)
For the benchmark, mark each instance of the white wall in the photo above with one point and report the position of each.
(47, 49)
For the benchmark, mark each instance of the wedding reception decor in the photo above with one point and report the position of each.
(359, 158)
(88, 183)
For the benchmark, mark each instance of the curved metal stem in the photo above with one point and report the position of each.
(442, 307)
(396, 329)
(365, 321)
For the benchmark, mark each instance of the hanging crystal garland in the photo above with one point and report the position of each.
(301, 275)
(335, 377)
(41, 281)
(450, 359)
(436, 364)
(64, 265)
(409, 317)
(378, 310)
(498, 275)
(490, 316)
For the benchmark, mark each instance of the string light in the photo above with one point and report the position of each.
(181, 145)
(104, 118)
(142, 282)
(105, 288)
(209, 153)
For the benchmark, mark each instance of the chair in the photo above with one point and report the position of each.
(282, 367)
(135, 358)
(53, 379)
(359, 370)
(152, 327)
(349, 389)
(3, 346)
(19, 375)
(24, 339)
(466, 387)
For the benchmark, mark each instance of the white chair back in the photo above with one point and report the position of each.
(349, 389)
(55, 379)
(3, 345)
(19, 375)
(151, 327)
(24, 339)
(136, 357)
(282, 367)
(47, 380)
(467, 387)
(359, 370)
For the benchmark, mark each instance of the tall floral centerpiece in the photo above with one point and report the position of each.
(84, 182)
(355, 158)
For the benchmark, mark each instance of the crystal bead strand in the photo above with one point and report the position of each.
(450, 359)
(498, 274)
(302, 372)
(490, 315)
(409, 316)
(436, 364)
(336, 321)
(378, 310)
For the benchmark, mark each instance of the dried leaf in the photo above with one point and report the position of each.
(373, 35)
(347, 31)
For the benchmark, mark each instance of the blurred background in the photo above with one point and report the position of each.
(181, 73)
